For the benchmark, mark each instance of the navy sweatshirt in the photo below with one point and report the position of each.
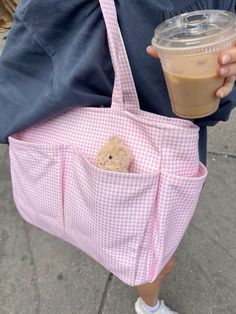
(57, 57)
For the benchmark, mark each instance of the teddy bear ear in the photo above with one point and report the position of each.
(115, 139)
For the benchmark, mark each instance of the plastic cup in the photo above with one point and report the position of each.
(189, 46)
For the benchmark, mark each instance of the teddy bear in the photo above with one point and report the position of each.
(114, 155)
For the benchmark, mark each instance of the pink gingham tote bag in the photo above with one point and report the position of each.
(131, 223)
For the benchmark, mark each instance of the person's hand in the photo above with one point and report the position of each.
(226, 69)
(152, 52)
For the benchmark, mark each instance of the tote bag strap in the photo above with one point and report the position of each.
(124, 93)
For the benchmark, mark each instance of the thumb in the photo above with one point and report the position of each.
(152, 52)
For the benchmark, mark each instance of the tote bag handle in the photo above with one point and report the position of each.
(124, 95)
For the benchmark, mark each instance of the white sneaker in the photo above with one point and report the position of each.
(163, 309)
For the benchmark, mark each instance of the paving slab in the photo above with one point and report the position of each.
(68, 281)
(222, 137)
(16, 272)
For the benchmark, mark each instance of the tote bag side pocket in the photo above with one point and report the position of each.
(37, 184)
(177, 200)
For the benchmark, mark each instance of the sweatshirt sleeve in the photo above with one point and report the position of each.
(25, 78)
(54, 59)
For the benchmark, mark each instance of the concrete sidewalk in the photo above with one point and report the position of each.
(40, 274)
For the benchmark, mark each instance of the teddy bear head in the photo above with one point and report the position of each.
(114, 156)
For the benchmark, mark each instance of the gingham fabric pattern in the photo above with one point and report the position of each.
(131, 223)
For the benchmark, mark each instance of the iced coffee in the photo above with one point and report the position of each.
(189, 46)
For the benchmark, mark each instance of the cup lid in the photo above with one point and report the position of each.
(196, 32)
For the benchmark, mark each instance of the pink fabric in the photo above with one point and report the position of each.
(131, 223)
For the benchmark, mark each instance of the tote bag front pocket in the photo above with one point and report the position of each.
(106, 213)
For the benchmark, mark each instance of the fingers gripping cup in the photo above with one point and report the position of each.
(189, 46)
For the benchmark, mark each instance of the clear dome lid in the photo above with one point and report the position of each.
(196, 32)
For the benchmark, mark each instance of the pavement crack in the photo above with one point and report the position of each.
(213, 240)
(222, 154)
(35, 273)
(3, 240)
(204, 273)
(105, 293)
